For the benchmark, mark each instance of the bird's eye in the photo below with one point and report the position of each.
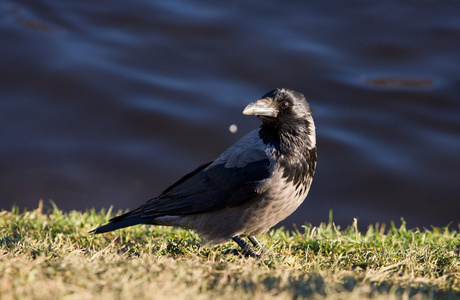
(284, 105)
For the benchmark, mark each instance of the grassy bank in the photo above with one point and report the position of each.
(49, 256)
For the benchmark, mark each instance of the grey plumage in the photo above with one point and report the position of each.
(250, 187)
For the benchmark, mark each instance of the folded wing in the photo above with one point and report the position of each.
(233, 179)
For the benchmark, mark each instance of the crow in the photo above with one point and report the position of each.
(254, 184)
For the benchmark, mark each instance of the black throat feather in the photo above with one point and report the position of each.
(296, 155)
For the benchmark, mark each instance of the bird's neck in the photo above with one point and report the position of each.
(288, 139)
(295, 151)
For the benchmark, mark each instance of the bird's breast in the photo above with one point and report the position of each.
(279, 200)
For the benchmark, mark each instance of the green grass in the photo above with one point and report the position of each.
(52, 256)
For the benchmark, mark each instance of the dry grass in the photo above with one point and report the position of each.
(52, 256)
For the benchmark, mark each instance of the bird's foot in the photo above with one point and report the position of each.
(251, 252)
(258, 245)
(248, 250)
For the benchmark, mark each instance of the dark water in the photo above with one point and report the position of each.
(109, 102)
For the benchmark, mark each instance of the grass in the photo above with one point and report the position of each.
(52, 256)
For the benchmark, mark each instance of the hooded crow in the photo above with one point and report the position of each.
(256, 183)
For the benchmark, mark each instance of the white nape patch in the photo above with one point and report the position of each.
(233, 128)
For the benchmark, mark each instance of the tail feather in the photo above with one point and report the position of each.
(126, 220)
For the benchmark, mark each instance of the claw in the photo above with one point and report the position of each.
(248, 250)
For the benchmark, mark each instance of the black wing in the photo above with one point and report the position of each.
(231, 180)
(209, 188)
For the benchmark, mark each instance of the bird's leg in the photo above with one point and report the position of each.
(256, 243)
(247, 249)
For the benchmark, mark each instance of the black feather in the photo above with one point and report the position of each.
(186, 177)
(210, 189)
(129, 219)
(240, 193)
(205, 189)
(300, 168)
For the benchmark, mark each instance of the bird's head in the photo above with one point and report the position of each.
(282, 106)
(282, 109)
(286, 115)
